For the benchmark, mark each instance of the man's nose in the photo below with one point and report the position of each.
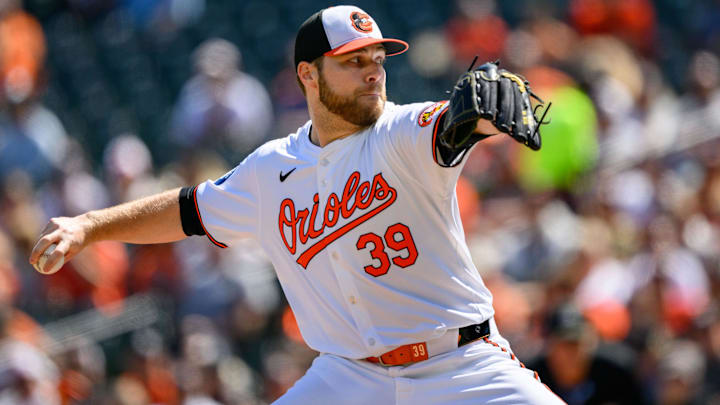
(375, 74)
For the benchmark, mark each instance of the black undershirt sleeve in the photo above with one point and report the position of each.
(188, 213)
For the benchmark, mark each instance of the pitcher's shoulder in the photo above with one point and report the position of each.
(286, 146)
(417, 115)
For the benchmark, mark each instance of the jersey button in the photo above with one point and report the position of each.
(371, 342)
(352, 299)
(335, 255)
(324, 162)
(324, 182)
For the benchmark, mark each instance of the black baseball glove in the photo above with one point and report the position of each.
(493, 94)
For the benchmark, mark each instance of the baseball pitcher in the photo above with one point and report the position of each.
(358, 212)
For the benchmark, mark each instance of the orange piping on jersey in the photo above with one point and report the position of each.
(435, 130)
(512, 356)
(197, 209)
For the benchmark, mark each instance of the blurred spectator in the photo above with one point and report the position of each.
(703, 100)
(632, 20)
(574, 368)
(556, 39)
(477, 30)
(681, 370)
(709, 326)
(619, 213)
(33, 138)
(95, 278)
(165, 16)
(27, 376)
(221, 107)
(431, 53)
(21, 214)
(22, 53)
(44, 128)
(288, 100)
(128, 165)
(83, 373)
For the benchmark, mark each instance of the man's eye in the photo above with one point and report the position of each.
(354, 60)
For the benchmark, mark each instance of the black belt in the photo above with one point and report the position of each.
(473, 332)
(415, 352)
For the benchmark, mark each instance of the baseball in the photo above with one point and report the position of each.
(40, 265)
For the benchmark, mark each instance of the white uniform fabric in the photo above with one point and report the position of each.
(366, 239)
(340, 308)
(478, 373)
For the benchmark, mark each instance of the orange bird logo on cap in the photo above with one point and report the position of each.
(361, 21)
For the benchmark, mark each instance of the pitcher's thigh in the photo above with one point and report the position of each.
(332, 380)
(482, 374)
(506, 386)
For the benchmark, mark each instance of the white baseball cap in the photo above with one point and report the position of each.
(339, 30)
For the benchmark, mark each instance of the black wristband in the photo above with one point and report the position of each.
(189, 215)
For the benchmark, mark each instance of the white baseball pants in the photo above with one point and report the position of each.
(482, 372)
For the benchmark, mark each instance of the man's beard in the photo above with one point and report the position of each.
(349, 107)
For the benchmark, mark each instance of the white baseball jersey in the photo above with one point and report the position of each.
(364, 233)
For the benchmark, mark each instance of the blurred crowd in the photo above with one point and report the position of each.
(602, 250)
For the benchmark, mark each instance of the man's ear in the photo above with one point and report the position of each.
(308, 74)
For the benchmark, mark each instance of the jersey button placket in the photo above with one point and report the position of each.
(343, 272)
(342, 267)
(322, 175)
(347, 286)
